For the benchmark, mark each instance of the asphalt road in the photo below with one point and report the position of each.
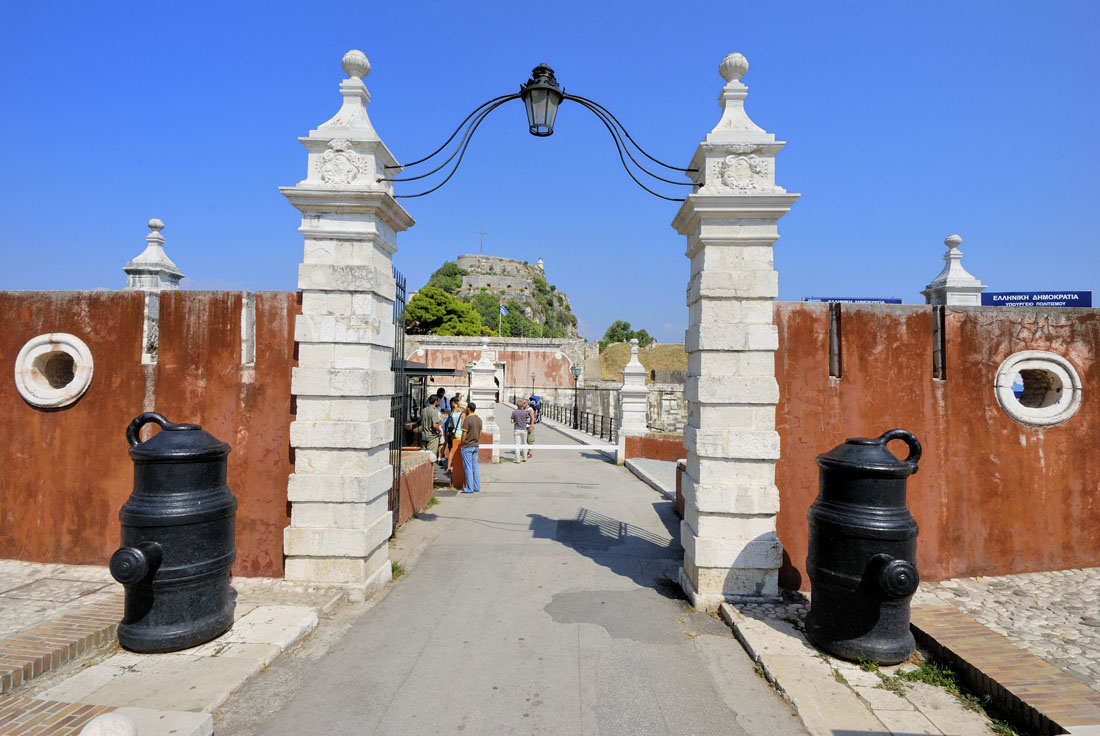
(546, 604)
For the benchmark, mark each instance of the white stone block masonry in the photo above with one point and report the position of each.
(730, 221)
(483, 392)
(340, 520)
(633, 399)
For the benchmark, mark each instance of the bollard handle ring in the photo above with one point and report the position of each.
(908, 438)
(132, 431)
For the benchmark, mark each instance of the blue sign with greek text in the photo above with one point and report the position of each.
(1037, 299)
(852, 299)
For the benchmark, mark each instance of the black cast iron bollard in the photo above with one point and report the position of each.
(178, 540)
(863, 551)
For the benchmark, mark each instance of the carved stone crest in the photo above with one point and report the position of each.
(743, 172)
(340, 164)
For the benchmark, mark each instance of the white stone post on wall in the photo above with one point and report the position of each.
(152, 272)
(954, 285)
(633, 398)
(483, 392)
(339, 493)
(731, 550)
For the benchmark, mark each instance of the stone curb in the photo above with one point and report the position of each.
(575, 434)
(175, 694)
(1032, 690)
(650, 480)
(146, 688)
(832, 697)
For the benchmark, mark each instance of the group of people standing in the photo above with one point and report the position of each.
(523, 421)
(450, 424)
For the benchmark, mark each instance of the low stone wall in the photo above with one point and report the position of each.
(416, 483)
(666, 410)
(656, 446)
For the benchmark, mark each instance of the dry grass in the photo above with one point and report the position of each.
(655, 357)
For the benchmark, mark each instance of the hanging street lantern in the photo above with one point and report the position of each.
(542, 95)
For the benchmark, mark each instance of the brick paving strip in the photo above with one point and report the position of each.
(37, 650)
(1032, 690)
(26, 716)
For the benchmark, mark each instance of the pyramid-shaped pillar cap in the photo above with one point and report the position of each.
(954, 284)
(153, 270)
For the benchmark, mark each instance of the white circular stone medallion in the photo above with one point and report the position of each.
(1052, 388)
(53, 370)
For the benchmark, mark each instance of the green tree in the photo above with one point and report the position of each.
(447, 277)
(620, 331)
(486, 305)
(434, 311)
(516, 324)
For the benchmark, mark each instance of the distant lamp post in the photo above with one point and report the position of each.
(576, 370)
(532, 384)
(541, 94)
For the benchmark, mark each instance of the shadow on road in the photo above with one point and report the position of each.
(623, 548)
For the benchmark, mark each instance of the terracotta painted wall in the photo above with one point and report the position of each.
(551, 367)
(67, 472)
(992, 496)
(200, 378)
(656, 446)
(417, 479)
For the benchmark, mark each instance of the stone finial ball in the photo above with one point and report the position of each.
(156, 224)
(952, 241)
(733, 67)
(356, 64)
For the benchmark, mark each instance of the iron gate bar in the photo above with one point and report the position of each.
(398, 407)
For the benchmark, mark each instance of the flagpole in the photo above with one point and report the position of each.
(500, 316)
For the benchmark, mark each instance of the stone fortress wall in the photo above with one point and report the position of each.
(509, 279)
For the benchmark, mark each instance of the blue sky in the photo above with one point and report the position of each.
(904, 122)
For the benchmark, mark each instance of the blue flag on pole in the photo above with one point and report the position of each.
(503, 311)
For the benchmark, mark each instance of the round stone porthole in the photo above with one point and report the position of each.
(53, 370)
(1038, 388)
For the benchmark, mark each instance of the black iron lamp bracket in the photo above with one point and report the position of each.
(542, 95)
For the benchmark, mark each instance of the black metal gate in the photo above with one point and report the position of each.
(398, 397)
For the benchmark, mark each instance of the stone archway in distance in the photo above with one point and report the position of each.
(340, 523)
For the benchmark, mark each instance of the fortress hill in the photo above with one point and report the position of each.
(511, 280)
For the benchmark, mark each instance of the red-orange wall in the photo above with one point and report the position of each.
(655, 446)
(551, 367)
(200, 378)
(68, 472)
(417, 480)
(992, 496)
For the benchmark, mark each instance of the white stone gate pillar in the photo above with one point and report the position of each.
(731, 549)
(633, 398)
(340, 520)
(483, 392)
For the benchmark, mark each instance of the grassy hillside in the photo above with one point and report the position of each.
(655, 357)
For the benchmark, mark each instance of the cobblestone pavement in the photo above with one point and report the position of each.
(1053, 615)
(34, 593)
(31, 594)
